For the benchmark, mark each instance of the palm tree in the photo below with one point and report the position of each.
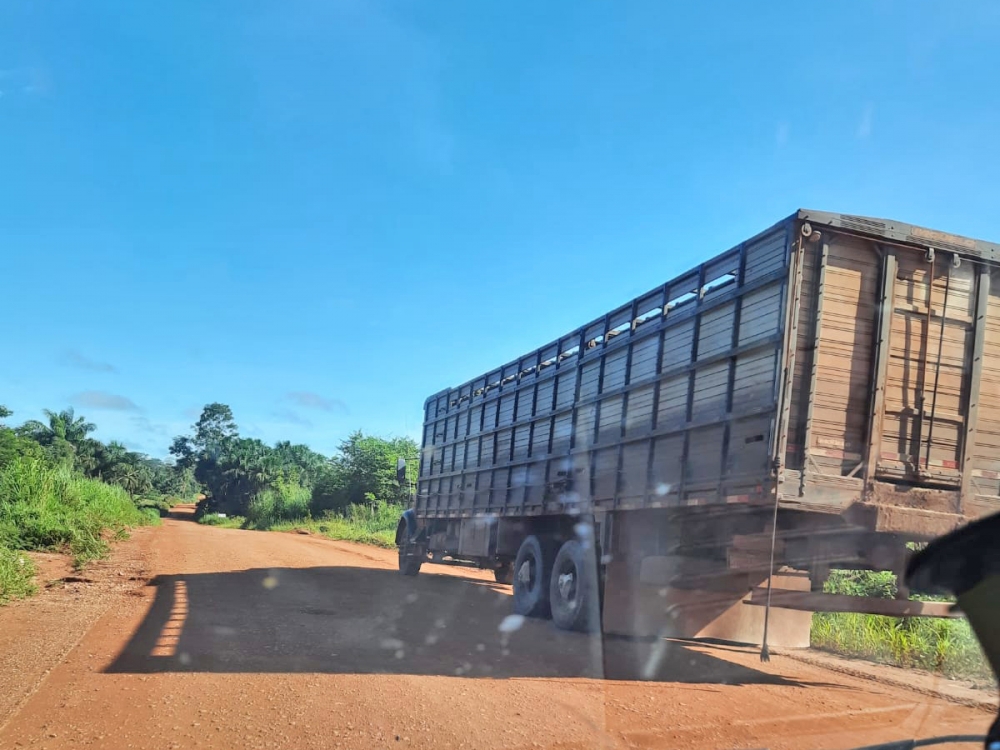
(64, 425)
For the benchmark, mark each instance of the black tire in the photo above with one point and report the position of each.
(532, 570)
(409, 559)
(504, 573)
(574, 594)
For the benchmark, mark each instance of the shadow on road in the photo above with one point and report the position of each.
(363, 620)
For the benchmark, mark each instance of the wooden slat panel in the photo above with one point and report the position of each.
(677, 344)
(639, 418)
(765, 256)
(673, 400)
(521, 437)
(715, 334)
(844, 356)
(710, 384)
(635, 460)
(668, 453)
(610, 425)
(566, 388)
(761, 313)
(705, 454)
(605, 473)
(614, 370)
(644, 353)
(926, 399)
(986, 452)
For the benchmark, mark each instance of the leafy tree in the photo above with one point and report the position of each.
(5, 412)
(215, 426)
(14, 446)
(364, 471)
(63, 425)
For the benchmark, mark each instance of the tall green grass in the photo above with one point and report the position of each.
(287, 508)
(944, 646)
(17, 574)
(286, 501)
(54, 509)
(373, 523)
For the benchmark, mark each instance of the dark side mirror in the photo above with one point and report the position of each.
(401, 471)
(966, 564)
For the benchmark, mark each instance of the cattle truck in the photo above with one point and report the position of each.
(820, 396)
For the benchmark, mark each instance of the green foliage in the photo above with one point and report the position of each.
(373, 524)
(17, 574)
(228, 522)
(945, 646)
(14, 446)
(283, 502)
(881, 584)
(44, 507)
(365, 465)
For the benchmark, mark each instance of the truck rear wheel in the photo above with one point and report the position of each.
(573, 589)
(532, 570)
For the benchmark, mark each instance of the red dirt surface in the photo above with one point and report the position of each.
(194, 636)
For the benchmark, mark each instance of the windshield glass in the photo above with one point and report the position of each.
(501, 375)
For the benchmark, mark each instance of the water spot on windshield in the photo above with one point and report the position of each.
(511, 623)
(662, 489)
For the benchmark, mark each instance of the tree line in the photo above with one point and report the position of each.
(230, 470)
(235, 471)
(64, 439)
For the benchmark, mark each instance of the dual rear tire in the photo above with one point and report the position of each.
(560, 581)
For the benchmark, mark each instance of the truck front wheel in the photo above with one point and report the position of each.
(532, 570)
(410, 559)
(411, 555)
(573, 589)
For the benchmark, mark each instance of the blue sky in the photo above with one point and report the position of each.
(321, 212)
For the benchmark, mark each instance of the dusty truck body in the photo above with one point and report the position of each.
(815, 397)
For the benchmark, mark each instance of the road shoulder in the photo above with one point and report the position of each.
(37, 634)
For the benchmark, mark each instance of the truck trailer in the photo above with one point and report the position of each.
(823, 395)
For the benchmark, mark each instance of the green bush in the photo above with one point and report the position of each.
(372, 523)
(53, 508)
(945, 646)
(159, 505)
(17, 574)
(229, 522)
(286, 501)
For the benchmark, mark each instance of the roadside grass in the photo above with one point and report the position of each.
(226, 522)
(373, 523)
(44, 508)
(943, 646)
(17, 573)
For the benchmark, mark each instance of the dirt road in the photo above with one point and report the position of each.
(219, 638)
